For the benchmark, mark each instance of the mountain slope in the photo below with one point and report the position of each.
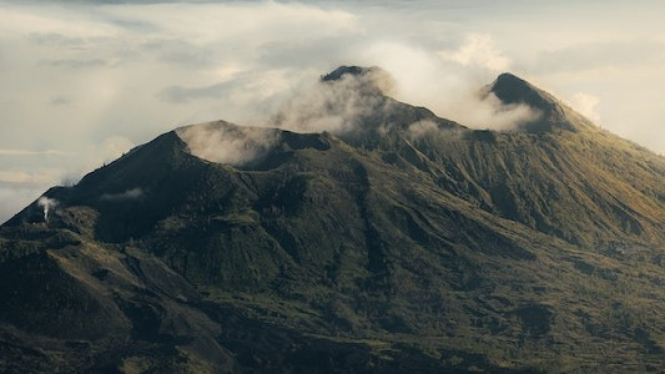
(402, 242)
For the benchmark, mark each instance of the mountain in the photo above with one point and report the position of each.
(400, 242)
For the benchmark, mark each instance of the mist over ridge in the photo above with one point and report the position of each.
(346, 101)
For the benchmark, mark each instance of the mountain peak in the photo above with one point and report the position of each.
(340, 72)
(373, 80)
(511, 89)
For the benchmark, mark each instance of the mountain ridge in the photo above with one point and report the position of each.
(410, 243)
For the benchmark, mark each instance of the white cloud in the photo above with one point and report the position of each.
(26, 152)
(65, 24)
(15, 198)
(601, 55)
(448, 87)
(335, 106)
(28, 179)
(586, 104)
(478, 50)
(131, 194)
(227, 144)
(421, 129)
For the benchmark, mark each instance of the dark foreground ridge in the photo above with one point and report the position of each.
(408, 244)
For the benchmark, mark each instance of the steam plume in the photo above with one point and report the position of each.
(47, 204)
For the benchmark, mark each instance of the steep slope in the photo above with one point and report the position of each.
(402, 242)
(559, 174)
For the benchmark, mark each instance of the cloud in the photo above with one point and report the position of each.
(328, 50)
(478, 50)
(95, 155)
(227, 144)
(336, 106)
(76, 73)
(53, 39)
(26, 152)
(112, 148)
(183, 52)
(179, 94)
(133, 25)
(451, 88)
(25, 179)
(76, 64)
(586, 104)
(491, 113)
(131, 194)
(421, 129)
(60, 100)
(15, 198)
(600, 55)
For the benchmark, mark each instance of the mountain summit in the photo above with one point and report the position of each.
(372, 80)
(512, 90)
(354, 71)
(399, 242)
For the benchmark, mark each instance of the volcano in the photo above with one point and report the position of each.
(399, 242)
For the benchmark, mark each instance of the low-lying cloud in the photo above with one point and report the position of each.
(478, 50)
(336, 106)
(131, 194)
(586, 105)
(491, 113)
(452, 83)
(227, 144)
(341, 103)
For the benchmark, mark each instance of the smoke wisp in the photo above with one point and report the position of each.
(47, 204)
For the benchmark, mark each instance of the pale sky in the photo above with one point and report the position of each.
(81, 82)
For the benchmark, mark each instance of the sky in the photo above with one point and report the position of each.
(82, 82)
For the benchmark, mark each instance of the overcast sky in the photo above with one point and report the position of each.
(81, 82)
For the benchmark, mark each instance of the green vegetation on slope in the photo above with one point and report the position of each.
(381, 250)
